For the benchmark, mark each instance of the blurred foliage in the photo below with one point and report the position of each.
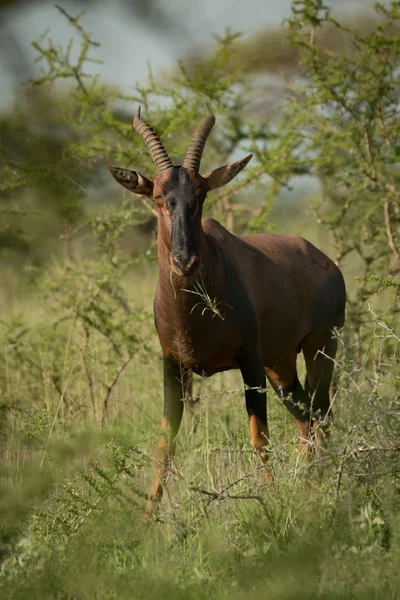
(71, 515)
(271, 51)
(347, 116)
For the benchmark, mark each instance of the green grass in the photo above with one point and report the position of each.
(73, 493)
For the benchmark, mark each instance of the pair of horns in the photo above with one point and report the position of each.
(159, 154)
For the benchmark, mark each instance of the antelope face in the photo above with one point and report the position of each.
(180, 195)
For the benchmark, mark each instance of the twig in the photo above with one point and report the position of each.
(338, 482)
(361, 449)
(148, 205)
(242, 184)
(368, 145)
(96, 503)
(221, 494)
(383, 324)
(89, 379)
(389, 234)
(110, 386)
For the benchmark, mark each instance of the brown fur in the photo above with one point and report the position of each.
(275, 292)
(289, 286)
(276, 296)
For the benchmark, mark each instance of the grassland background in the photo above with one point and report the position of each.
(73, 494)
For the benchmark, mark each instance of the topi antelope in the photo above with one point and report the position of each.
(278, 295)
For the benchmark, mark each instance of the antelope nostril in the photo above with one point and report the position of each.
(186, 266)
(177, 263)
(193, 263)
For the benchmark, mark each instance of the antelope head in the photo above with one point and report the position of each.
(179, 191)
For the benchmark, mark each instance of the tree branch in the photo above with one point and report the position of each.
(89, 379)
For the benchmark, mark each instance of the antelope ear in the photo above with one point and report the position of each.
(132, 181)
(224, 175)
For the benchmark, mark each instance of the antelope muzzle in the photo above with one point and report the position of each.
(185, 265)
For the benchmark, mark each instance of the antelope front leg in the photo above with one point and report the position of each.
(252, 369)
(174, 389)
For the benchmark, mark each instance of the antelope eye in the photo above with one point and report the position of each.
(171, 203)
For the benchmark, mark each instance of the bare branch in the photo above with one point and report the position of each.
(148, 205)
(89, 379)
(389, 233)
(110, 386)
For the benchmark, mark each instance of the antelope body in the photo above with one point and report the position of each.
(276, 296)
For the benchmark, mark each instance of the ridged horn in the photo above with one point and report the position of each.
(198, 141)
(157, 151)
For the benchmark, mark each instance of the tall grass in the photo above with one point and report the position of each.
(73, 492)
